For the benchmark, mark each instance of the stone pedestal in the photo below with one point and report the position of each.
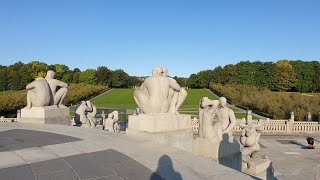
(174, 130)
(261, 169)
(225, 152)
(46, 115)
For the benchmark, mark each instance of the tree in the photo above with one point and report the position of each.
(205, 77)
(88, 76)
(14, 77)
(181, 81)
(104, 75)
(193, 81)
(75, 78)
(305, 72)
(119, 79)
(76, 70)
(245, 73)
(37, 69)
(60, 70)
(265, 74)
(316, 81)
(3, 79)
(285, 77)
(218, 75)
(67, 77)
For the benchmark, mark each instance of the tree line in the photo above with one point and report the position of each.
(283, 75)
(18, 75)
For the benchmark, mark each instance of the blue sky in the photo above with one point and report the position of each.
(134, 35)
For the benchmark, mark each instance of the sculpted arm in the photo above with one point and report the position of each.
(233, 121)
(174, 85)
(31, 85)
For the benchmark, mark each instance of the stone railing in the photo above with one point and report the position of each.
(275, 126)
(3, 119)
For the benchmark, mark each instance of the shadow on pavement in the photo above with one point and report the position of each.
(165, 170)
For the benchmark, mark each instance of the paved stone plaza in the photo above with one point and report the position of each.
(33, 151)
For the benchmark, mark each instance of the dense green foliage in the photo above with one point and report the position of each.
(284, 75)
(267, 103)
(13, 100)
(18, 75)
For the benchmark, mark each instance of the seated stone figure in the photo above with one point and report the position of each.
(85, 114)
(249, 138)
(152, 96)
(175, 98)
(39, 93)
(209, 126)
(111, 123)
(58, 88)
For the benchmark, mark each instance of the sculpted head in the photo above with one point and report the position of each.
(164, 72)
(223, 102)
(157, 71)
(50, 74)
(206, 102)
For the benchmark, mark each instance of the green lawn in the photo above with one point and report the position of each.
(123, 99)
(117, 98)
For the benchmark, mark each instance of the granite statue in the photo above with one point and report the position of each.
(249, 139)
(111, 123)
(58, 89)
(85, 115)
(226, 118)
(39, 93)
(209, 126)
(157, 93)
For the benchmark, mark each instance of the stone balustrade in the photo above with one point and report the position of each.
(275, 126)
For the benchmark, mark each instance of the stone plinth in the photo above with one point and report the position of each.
(46, 115)
(159, 122)
(225, 152)
(261, 168)
(174, 130)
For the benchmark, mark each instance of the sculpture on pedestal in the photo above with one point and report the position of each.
(85, 115)
(249, 138)
(46, 92)
(111, 123)
(215, 119)
(159, 93)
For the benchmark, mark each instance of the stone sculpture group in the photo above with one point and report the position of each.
(159, 93)
(215, 119)
(46, 92)
(85, 115)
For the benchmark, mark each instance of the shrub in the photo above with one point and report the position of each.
(263, 101)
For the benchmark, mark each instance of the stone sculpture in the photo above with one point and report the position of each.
(209, 126)
(58, 88)
(226, 118)
(39, 93)
(215, 119)
(249, 138)
(85, 115)
(111, 123)
(159, 93)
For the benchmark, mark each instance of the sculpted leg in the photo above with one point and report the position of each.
(59, 96)
(173, 103)
(29, 103)
(140, 98)
(182, 96)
